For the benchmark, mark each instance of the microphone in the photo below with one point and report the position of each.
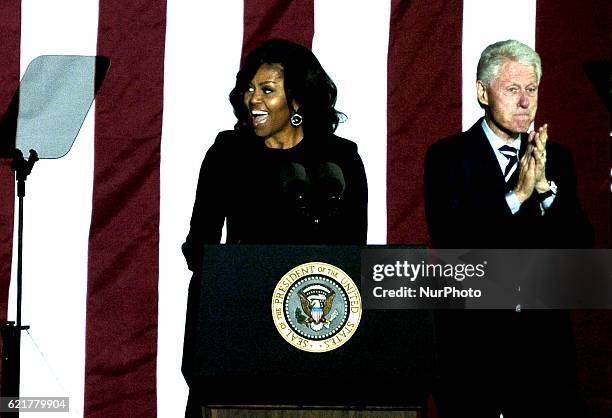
(295, 184)
(329, 188)
(330, 181)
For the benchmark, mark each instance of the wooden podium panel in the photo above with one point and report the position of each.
(294, 412)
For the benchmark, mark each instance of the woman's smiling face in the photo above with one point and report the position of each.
(267, 104)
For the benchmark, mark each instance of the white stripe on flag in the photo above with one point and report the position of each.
(57, 216)
(351, 41)
(203, 47)
(484, 24)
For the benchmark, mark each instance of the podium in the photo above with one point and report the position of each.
(235, 360)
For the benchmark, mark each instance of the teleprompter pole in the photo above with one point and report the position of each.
(11, 331)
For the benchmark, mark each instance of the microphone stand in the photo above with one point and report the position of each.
(11, 331)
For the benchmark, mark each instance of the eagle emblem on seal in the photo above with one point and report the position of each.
(317, 302)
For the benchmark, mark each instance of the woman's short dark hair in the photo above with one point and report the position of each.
(305, 81)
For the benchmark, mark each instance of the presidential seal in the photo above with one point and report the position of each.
(316, 307)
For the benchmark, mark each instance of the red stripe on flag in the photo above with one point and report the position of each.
(571, 37)
(569, 102)
(121, 339)
(266, 19)
(423, 104)
(10, 33)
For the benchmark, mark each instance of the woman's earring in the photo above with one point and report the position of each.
(296, 120)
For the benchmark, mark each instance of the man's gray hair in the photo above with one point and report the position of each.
(494, 56)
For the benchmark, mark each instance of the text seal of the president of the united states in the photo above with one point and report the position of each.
(316, 307)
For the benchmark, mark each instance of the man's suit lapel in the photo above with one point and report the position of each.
(485, 165)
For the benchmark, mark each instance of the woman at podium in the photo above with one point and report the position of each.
(280, 176)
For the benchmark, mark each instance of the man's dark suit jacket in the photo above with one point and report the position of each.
(521, 364)
(466, 206)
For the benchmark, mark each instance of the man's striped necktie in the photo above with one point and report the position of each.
(511, 154)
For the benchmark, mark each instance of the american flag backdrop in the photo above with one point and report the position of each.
(105, 283)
